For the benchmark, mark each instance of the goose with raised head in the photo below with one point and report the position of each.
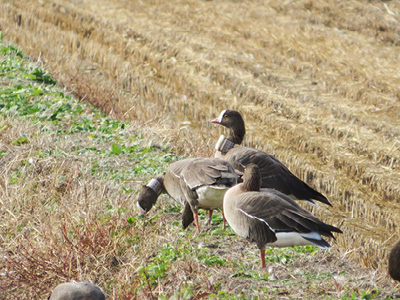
(394, 262)
(274, 174)
(194, 183)
(270, 218)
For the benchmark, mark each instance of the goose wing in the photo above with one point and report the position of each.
(280, 215)
(274, 174)
(209, 171)
(177, 167)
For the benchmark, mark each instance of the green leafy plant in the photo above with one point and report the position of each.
(40, 76)
(21, 140)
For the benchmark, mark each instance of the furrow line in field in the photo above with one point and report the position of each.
(314, 53)
(99, 61)
(378, 20)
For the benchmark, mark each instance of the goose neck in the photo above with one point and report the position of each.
(156, 184)
(224, 144)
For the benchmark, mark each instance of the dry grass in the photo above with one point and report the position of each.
(66, 223)
(316, 81)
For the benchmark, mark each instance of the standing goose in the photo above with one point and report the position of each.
(194, 183)
(274, 174)
(270, 217)
(394, 262)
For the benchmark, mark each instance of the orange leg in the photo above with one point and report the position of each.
(196, 221)
(262, 254)
(210, 212)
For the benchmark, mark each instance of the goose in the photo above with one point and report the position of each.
(274, 174)
(269, 217)
(394, 262)
(194, 183)
(75, 291)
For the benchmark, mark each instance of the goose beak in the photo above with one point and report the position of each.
(215, 121)
(141, 210)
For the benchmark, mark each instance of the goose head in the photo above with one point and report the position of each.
(149, 194)
(232, 120)
(251, 178)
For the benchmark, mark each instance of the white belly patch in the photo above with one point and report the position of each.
(288, 239)
(210, 197)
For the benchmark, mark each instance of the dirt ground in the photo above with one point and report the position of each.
(317, 82)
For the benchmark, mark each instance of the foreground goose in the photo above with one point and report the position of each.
(274, 174)
(194, 183)
(270, 217)
(394, 262)
(77, 291)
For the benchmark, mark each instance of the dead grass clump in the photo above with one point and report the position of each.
(86, 250)
(56, 226)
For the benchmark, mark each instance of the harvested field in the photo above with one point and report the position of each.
(317, 82)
